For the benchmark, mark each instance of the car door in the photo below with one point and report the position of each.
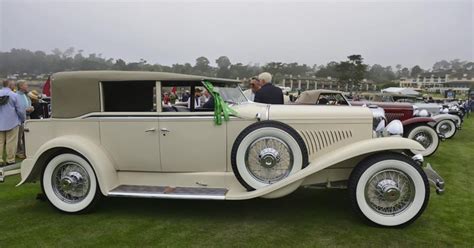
(129, 125)
(189, 139)
(191, 142)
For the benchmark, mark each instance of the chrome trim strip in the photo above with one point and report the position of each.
(151, 117)
(267, 112)
(166, 196)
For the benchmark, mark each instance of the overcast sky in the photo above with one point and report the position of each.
(384, 32)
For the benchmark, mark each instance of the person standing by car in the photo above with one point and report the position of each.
(268, 93)
(25, 102)
(13, 115)
(35, 98)
(254, 86)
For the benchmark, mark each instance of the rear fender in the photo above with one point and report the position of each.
(31, 168)
(356, 149)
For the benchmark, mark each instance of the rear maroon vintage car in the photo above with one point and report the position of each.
(420, 129)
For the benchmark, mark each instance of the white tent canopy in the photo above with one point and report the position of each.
(401, 91)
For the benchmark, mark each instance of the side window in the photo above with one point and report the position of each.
(129, 96)
(185, 97)
(331, 99)
(175, 98)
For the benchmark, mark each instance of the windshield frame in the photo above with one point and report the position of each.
(240, 97)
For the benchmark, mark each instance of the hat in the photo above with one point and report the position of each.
(34, 95)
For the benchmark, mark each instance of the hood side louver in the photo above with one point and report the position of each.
(317, 140)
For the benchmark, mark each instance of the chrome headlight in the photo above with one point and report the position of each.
(379, 119)
(424, 113)
(395, 127)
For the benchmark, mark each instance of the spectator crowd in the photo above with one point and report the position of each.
(17, 104)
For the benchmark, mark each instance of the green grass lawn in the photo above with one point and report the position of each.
(306, 218)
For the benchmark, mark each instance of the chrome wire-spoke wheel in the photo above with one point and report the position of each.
(426, 136)
(71, 182)
(389, 192)
(269, 159)
(267, 152)
(447, 128)
(424, 139)
(389, 189)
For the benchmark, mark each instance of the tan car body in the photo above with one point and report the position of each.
(122, 152)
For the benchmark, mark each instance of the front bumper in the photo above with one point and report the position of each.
(434, 178)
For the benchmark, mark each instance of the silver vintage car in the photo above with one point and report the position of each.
(120, 134)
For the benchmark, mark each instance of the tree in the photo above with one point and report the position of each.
(405, 72)
(202, 66)
(223, 64)
(415, 71)
(351, 71)
(441, 66)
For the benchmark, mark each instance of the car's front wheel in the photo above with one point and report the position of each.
(447, 128)
(389, 189)
(426, 136)
(70, 184)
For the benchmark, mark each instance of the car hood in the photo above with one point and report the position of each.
(333, 114)
(291, 112)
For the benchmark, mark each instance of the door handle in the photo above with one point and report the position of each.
(150, 130)
(165, 130)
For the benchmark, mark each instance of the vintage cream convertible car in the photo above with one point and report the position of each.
(111, 134)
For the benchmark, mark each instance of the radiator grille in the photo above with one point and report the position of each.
(394, 116)
(321, 139)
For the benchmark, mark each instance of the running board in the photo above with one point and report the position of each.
(168, 192)
(9, 170)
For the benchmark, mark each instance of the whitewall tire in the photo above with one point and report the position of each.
(389, 189)
(426, 136)
(267, 152)
(446, 128)
(70, 184)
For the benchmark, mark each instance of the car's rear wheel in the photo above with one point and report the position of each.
(70, 184)
(389, 189)
(447, 128)
(426, 136)
(267, 152)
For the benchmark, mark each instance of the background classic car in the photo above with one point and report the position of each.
(421, 129)
(120, 142)
(417, 128)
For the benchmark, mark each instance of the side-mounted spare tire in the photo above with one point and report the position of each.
(267, 152)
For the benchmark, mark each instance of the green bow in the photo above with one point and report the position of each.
(220, 107)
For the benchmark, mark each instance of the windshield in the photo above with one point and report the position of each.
(231, 94)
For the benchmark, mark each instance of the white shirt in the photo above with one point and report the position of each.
(249, 94)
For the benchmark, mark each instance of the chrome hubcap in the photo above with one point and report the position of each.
(71, 182)
(423, 138)
(389, 192)
(445, 128)
(269, 159)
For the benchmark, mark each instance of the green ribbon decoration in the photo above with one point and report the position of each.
(221, 109)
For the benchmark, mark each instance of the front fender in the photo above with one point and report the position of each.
(331, 158)
(428, 120)
(100, 161)
(441, 117)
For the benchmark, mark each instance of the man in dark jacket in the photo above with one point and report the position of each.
(268, 93)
